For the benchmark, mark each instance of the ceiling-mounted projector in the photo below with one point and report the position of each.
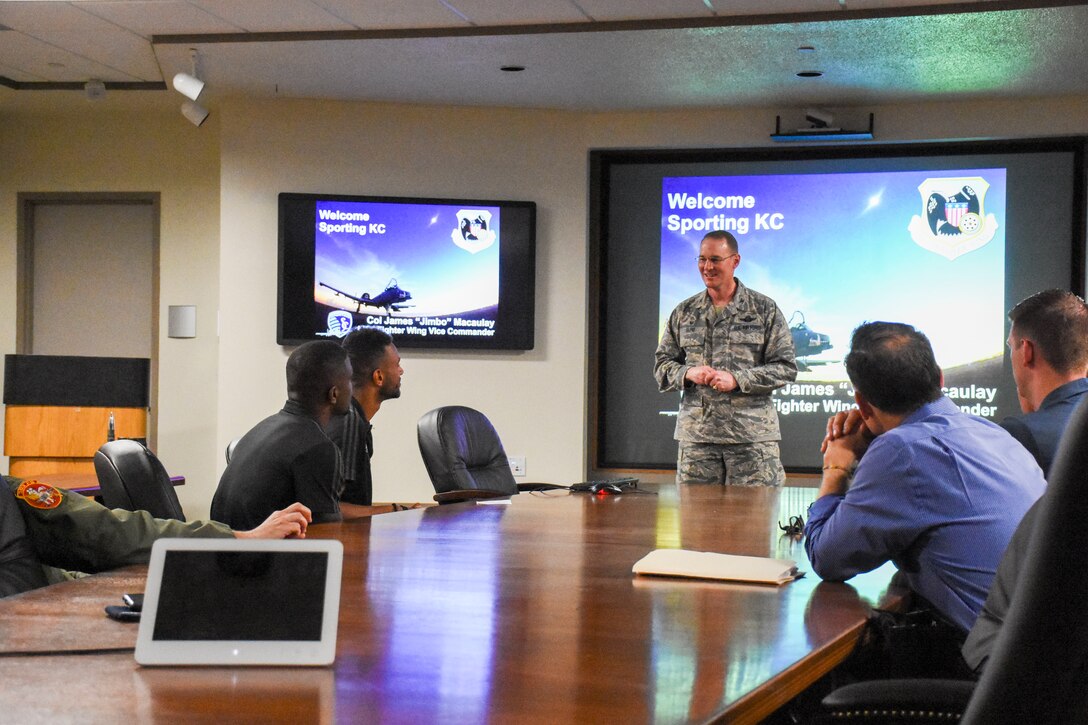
(818, 118)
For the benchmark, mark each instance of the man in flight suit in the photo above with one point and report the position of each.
(45, 531)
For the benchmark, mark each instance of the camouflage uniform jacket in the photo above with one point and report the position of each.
(751, 340)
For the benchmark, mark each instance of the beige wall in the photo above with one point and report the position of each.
(535, 399)
(219, 187)
(130, 151)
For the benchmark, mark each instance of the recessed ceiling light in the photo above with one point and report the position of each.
(810, 74)
(512, 68)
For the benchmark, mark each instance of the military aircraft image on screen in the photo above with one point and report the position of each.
(807, 342)
(390, 298)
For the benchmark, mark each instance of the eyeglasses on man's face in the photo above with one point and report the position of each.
(712, 260)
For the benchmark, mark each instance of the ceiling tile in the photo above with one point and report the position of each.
(159, 17)
(271, 16)
(385, 14)
(644, 9)
(885, 4)
(121, 54)
(32, 57)
(520, 12)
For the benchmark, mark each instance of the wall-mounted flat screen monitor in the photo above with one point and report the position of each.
(433, 273)
(945, 237)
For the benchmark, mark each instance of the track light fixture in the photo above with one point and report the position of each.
(190, 86)
(194, 112)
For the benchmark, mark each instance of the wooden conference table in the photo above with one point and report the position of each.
(84, 483)
(525, 612)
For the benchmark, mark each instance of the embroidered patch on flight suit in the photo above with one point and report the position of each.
(39, 495)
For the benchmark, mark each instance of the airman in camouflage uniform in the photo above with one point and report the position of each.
(46, 531)
(726, 349)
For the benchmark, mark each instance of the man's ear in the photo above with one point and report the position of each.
(377, 377)
(864, 407)
(1028, 352)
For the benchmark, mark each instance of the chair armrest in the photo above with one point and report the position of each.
(357, 511)
(467, 494)
(937, 700)
(540, 486)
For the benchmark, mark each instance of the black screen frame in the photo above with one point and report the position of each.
(602, 164)
(515, 325)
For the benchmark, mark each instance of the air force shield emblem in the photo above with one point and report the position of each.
(473, 233)
(953, 221)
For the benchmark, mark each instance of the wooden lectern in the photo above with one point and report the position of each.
(58, 408)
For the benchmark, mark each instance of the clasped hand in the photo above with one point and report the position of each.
(846, 439)
(721, 380)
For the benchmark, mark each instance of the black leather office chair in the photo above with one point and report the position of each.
(1038, 669)
(132, 478)
(465, 458)
(230, 448)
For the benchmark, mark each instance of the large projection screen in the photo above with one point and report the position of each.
(946, 237)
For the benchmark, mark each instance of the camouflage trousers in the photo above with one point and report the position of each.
(740, 464)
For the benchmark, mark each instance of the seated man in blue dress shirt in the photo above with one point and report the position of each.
(1048, 346)
(919, 483)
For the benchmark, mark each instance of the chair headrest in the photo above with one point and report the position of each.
(462, 450)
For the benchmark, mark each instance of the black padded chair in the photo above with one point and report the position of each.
(132, 478)
(1038, 669)
(230, 448)
(465, 458)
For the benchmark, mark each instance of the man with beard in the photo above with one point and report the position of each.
(376, 374)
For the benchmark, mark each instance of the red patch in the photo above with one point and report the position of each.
(39, 495)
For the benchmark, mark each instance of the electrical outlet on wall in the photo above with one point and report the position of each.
(517, 465)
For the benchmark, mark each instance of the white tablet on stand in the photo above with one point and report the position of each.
(241, 602)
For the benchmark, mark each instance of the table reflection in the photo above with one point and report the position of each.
(256, 694)
(454, 585)
(775, 626)
(469, 605)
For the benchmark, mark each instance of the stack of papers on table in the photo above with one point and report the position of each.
(708, 565)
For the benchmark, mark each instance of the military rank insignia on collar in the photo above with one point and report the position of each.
(39, 495)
